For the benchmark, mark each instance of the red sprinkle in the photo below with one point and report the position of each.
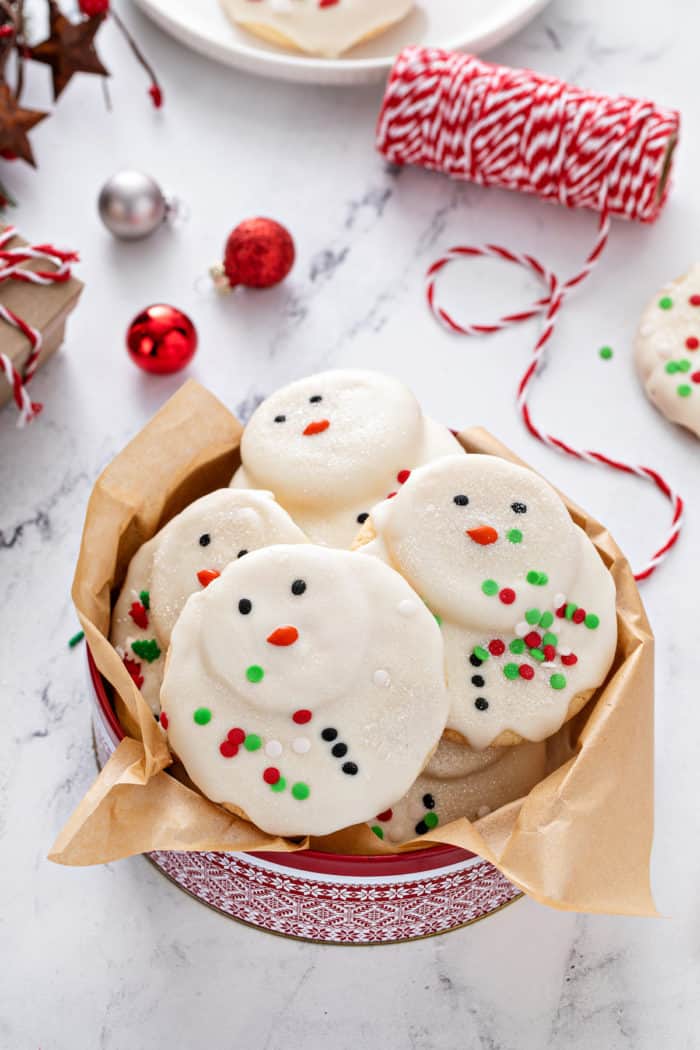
(569, 660)
(235, 736)
(228, 749)
(695, 377)
(138, 614)
(526, 672)
(579, 616)
(271, 775)
(164, 720)
(302, 716)
(327, 3)
(692, 342)
(533, 640)
(507, 596)
(391, 495)
(549, 652)
(497, 647)
(134, 669)
(561, 611)
(402, 477)
(386, 815)
(694, 300)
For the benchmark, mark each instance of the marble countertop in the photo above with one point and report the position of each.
(116, 956)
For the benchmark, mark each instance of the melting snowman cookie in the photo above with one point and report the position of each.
(527, 606)
(332, 445)
(667, 350)
(183, 558)
(299, 691)
(459, 782)
(319, 27)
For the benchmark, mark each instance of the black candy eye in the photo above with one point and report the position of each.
(362, 518)
(280, 419)
(245, 606)
(241, 553)
(315, 399)
(461, 501)
(298, 587)
(518, 508)
(204, 539)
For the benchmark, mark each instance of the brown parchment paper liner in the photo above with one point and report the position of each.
(579, 841)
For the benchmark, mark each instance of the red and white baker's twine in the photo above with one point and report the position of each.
(519, 130)
(11, 260)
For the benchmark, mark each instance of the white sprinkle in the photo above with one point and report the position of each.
(120, 651)
(407, 607)
(273, 748)
(381, 678)
(301, 745)
(559, 600)
(483, 811)
(565, 652)
(521, 629)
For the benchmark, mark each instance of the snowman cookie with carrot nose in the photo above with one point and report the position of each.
(305, 688)
(526, 604)
(332, 445)
(181, 559)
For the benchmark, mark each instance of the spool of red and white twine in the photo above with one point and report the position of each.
(517, 129)
(11, 260)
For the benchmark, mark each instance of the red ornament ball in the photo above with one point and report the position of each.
(258, 254)
(161, 339)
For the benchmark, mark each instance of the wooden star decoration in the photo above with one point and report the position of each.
(15, 122)
(69, 48)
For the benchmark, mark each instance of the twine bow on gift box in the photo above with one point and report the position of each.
(12, 269)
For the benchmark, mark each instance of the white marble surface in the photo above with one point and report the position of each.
(117, 957)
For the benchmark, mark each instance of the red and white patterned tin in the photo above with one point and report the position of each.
(327, 897)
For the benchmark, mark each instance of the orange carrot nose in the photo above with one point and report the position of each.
(283, 636)
(317, 427)
(205, 576)
(483, 534)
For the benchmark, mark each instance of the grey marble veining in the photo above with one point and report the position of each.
(117, 957)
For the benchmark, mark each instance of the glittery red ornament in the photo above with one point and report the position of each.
(258, 254)
(161, 339)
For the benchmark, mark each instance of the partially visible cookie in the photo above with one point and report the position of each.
(667, 350)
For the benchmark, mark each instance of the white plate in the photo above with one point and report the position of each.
(468, 25)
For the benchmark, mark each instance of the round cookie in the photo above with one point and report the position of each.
(181, 559)
(318, 27)
(305, 688)
(526, 605)
(332, 445)
(459, 782)
(667, 350)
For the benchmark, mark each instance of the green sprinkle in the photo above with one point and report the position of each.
(684, 390)
(202, 715)
(671, 367)
(606, 352)
(684, 365)
(570, 610)
(514, 536)
(72, 642)
(546, 619)
(511, 671)
(431, 819)
(489, 587)
(666, 302)
(147, 648)
(537, 579)
(438, 619)
(537, 654)
(592, 621)
(300, 790)
(532, 576)
(145, 599)
(557, 681)
(550, 639)
(533, 616)
(252, 742)
(378, 831)
(517, 646)
(480, 653)
(279, 786)
(255, 673)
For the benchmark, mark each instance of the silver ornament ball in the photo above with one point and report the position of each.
(132, 205)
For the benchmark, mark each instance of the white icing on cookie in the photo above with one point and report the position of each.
(319, 27)
(491, 549)
(180, 560)
(332, 445)
(285, 647)
(459, 782)
(667, 350)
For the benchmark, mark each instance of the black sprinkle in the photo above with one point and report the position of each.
(329, 734)
(428, 801)
(244, 606)
(478, 681)
(421, 828)
(298, 587)
(362, 518)
(280, 419)
(475, 661)
(518, 508)
(480, 704)
(339, 750)
(241, 553)
(461, 500)
(350, 768)
(204, 539)
(315, 399)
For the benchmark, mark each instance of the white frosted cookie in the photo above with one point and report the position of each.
(183, 558)
(332, 445)
(459, 782)
(667, 350)
(305, 688)
(319, 27)
(526, 604)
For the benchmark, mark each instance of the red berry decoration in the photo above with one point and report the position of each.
(258, 254)
(161, 339)
(93, 7)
